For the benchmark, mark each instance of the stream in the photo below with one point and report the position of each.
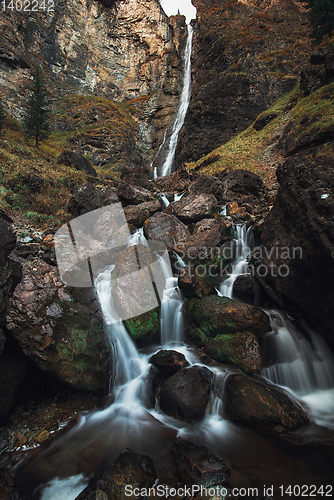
(302, 367)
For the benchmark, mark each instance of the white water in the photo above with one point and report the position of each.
(184, 103)
(304, 368)
(300, 368)
(243, 246)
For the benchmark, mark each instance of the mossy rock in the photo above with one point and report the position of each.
(144, 329)
(241, 349)
(228, 330)
(213, 315)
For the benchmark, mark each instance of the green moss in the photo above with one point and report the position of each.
(145, 328)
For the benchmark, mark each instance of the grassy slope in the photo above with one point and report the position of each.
(253, 150)
(19, 157)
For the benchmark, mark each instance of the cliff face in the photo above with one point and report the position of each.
(126, 50)
(246, 54)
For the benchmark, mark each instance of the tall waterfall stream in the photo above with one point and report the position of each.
(303, 369)
(166, 168)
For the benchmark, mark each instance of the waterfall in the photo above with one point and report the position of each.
(304, 367)
(244, 242)
(183, 106)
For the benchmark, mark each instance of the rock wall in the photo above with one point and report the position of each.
(126, 50)
(246, 54)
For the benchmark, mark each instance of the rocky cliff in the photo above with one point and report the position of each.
(246, 54)
(123, 50)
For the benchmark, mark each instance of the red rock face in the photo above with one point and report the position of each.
(246, 54)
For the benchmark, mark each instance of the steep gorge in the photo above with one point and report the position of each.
(246, 55)
(127, 50)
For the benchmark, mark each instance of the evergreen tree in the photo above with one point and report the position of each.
(321, 17)
(36, 114)
(2, 116)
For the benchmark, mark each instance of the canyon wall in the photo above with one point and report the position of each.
(123, 50)
(246, 54)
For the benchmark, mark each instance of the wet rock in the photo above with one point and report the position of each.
(168, 361)
(193, 208)
(144, 329)
(168, 229)
(177, 182)
(265, 407)
(227, 329)
(197, 465)
(186, 394)
(130, 469)
(192, 285)
(137, 214)
(13, 370)
(58, 327)
(209, 185)
(243, 288)
(76, 160)
(213, 315)
(134, 195)
(206, 237)
(241, 349)
(7, 486)
(298, 235)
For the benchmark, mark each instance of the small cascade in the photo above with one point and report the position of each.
(306, 368)
(165, 200)
(244, 243)
(184, 103)
(137, 238)
(155, 171)
(171, 317)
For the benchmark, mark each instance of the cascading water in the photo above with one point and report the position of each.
(130, 421)
(244, 242)
(304, 368)
(183, 107)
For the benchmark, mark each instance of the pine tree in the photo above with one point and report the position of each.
(36, 114)
(321, 17)
(2, 116)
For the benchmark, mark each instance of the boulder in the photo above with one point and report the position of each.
(192, 285)
(137, 214)
(298, 241)
(243, 288)
(168, 229)
(242, 184)
(13, 370)
(168, 361)
(211, 316)
(209, 185)
(206, 238)
(58, 327)
(145, 328)
(76, 160)
(240, 349)
(186, 394)
(87, 198)
(133, 291)
(197, 465)
(134, 195)
(129, 470)
(228, 330)
(177, 182)
(262, 406)
(194, 207)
